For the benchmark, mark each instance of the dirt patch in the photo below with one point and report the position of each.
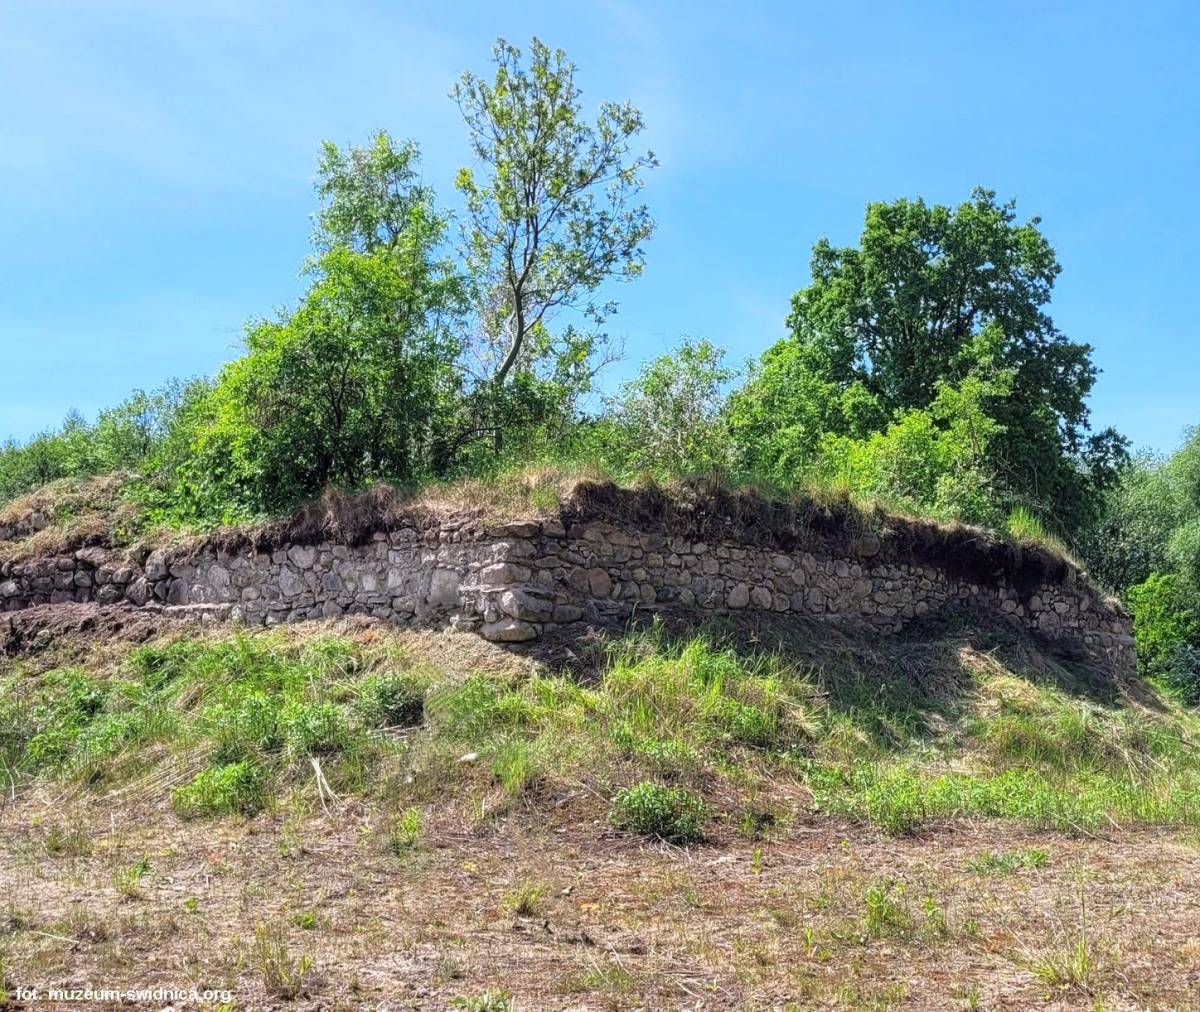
(577, 916)
(78, 627)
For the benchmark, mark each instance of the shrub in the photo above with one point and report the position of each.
(396, 700)
(314, 728)
(246, 728)
(233, 787)
(674, 814)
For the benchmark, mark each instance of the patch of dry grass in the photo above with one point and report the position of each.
(65, 515)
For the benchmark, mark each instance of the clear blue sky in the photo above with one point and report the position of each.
(157, 157)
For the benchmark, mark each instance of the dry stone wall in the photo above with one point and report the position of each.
(519, 581)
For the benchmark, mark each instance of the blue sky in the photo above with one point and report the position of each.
(157, 158)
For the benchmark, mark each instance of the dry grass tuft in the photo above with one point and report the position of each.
(66, 514)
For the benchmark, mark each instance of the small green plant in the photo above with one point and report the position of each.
(396, 700)
(526, 899)
(191, 905)
(283, 975)
(67, 841)
(886, 913)
(234, 787)
(935, 926)
(970, 998)
(489, 1001)
(755, 825)
(405, 831)
(991, 863)
(674, 814)
(314, 728)
(305, 920)
(756, 861)
(604, 975)
(128, 881)
(1071, 962)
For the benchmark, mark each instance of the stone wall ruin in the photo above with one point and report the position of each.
(607, 555)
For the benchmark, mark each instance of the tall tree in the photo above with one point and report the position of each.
(359, 382)
(933, 294)
(552, 214)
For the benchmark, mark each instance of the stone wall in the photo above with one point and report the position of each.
(518, 581)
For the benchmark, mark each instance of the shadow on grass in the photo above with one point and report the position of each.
(897, 688)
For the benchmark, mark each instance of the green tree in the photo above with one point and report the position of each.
(931, 295)
(931, 461)
(1166, 628)
(670, 418)
(1151, 521)
(359, 382)
(553, 217)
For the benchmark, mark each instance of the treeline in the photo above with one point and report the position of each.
(921, 368)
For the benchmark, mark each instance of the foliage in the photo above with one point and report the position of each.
(1152, 520)
(670, 419)
(929, 461)
(673, 814)
(142, 435)
(930, 296)
(391, 700)
(553, 218)
(358, 382)
(217, 790)
(283, 974)
(1167, 628)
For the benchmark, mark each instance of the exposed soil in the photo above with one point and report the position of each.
(619, 923)
(76, 627)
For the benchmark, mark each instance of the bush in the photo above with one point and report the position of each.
(315, 728)
(1167, 631)
(234, 787)
(391, 700)
(674, 814)
(248, 729)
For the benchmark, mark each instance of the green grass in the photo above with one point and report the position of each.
(679, 738)
(991, 863)
(253, 709)
(1025, 527)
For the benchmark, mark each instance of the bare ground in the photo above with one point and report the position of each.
(618, 923)
(546, 902)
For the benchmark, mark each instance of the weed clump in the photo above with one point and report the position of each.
(219, 790)
(674, 814)
(393, 700)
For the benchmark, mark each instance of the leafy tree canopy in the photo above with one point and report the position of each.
(552, 214)
(929, 296)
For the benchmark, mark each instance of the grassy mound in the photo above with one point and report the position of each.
(679, 738)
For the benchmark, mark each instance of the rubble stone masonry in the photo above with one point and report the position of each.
(514, 582)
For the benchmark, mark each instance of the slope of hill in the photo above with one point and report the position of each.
(776, 814)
